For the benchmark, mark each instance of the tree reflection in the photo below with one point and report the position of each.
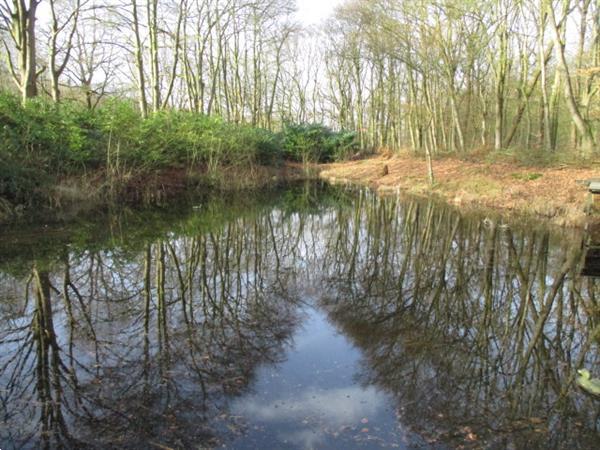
(474, 327)
(149, 347)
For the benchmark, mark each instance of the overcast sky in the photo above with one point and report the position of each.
(309, 11)
(314, 11)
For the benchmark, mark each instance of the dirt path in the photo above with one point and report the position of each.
(551, 193)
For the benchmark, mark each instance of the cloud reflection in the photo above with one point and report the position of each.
(320, 412)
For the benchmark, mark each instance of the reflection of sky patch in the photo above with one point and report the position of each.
(320, 357)
(311, 397)
(305, 438)
(343, 406)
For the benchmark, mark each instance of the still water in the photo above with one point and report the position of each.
(298, 318)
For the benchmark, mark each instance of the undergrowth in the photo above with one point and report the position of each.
(42, 142)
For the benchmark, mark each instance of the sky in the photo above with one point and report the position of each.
(314, 11)
(310, 12)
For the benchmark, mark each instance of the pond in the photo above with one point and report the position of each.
(303, 317)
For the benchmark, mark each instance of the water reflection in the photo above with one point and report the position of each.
(166, 329)
(121, 347)
(591, 266)
(475, 328)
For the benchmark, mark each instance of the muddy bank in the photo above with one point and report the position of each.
(551, 193)
(83, 194)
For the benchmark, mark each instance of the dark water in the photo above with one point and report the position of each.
(309, 317)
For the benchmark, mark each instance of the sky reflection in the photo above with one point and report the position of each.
(321, 407)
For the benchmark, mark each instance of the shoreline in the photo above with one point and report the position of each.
(551, 194)
(76, 195)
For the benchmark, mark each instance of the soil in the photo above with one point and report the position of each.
(553, 193)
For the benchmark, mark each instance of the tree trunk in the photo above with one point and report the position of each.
(152, 12)
(501, 72)
(22, 31)
(139, 61)
(587, 139)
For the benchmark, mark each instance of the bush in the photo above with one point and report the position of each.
(118, 124)
(39, 141)
(42, 141)
(316, 143)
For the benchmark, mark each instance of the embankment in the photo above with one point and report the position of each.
(551, 193)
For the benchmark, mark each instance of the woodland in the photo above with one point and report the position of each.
(118, 89)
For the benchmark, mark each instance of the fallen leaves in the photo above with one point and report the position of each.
(469, 435)
(502, 185)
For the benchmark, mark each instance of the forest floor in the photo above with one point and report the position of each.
(550, 192)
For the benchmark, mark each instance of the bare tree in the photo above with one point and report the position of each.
(67, 25)
(19, 21)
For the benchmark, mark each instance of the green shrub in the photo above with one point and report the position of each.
(19, 183)
(41, 142)
(316, 143)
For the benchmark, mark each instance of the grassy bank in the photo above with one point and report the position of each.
(57, 155)
(546, 191)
